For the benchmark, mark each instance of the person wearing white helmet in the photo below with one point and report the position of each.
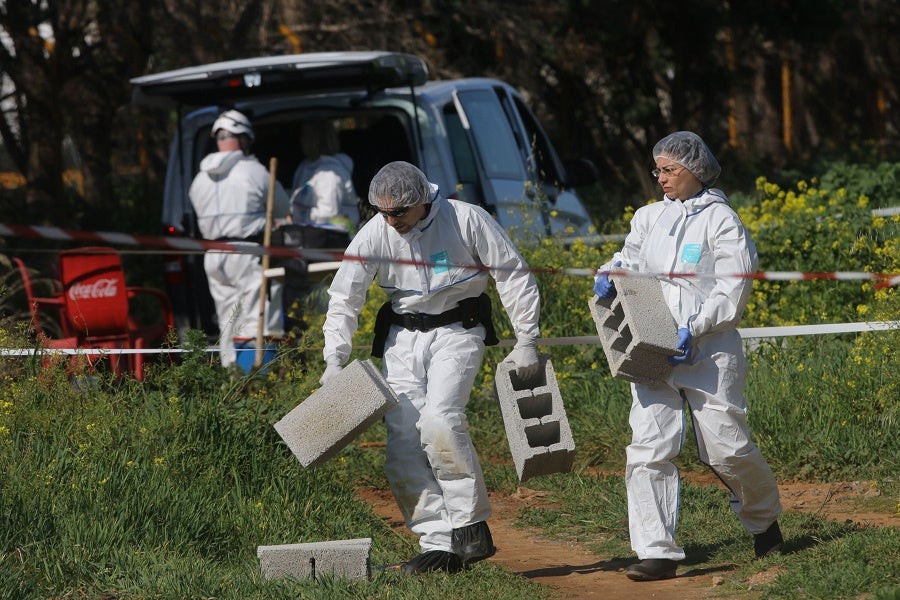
(229, 196)
(432, 256)
(692, 230)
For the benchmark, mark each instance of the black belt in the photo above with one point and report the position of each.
(256, 238)
(470, 312)
(426, 322)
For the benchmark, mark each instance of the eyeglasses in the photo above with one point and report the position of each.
(395, 213)
(670, 171)
(224, 135)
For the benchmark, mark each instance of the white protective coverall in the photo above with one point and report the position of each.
(701, 235)
(229, 196)
(324, 193)
(431, 463)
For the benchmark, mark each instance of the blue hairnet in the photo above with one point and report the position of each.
(400, 184)
(690, 151)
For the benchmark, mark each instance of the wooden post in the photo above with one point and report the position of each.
(786, 114)
(731, 61)
(267, 238)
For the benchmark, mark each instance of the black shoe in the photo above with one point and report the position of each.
(768, 542)
(652, 569)
(433, 560)
(473, 542)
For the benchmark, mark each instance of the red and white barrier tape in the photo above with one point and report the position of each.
(190, 245)
(582, 340)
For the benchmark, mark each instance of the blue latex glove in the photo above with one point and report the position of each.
(603, 287)
(684, 344)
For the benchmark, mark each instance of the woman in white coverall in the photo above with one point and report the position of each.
(323, 191)
(693, 230)
(432, 334)
(229, 195)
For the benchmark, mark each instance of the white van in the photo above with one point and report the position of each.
(474, 137)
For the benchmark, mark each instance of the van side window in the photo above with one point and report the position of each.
(545, 163)
(463, 158)
(493, 134)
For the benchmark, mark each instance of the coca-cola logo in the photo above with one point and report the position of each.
(101, 288)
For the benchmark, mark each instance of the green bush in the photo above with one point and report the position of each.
(879, 184)
(814, 230)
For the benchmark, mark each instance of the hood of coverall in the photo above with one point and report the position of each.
(218, 164)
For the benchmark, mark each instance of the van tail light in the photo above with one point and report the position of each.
(174, 263)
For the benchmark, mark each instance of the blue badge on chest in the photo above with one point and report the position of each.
(690, 254)
(441, 262)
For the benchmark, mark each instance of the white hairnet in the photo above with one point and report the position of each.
(400, 184)
(235, 122)
(690, 151)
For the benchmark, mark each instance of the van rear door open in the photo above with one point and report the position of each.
(233, 81)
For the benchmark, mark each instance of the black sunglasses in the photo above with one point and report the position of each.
(395, 213)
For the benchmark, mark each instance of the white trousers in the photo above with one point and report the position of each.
(431, 464)
(234, 282)
(712, 385)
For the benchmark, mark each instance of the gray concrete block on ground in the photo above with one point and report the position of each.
(335, 414)
(341, 558)
(535, 421)
(636, 330)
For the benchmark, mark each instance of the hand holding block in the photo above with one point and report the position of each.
(637, 330)
(335, 414)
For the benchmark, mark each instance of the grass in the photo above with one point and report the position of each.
(165, 490)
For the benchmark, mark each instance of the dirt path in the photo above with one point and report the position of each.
(573, 572)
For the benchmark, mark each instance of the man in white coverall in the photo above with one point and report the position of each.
(229, 195)
(323, 192)
(432, 334)
(693, 230)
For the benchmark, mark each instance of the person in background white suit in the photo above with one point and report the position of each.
(323, 191)
(229, 195)
(432, 334)
(692, 230)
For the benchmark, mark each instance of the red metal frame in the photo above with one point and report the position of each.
(94, 310)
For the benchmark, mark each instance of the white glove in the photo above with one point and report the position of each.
(525, 357)
(330, 373)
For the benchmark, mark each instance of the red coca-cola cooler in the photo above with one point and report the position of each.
(95, 295)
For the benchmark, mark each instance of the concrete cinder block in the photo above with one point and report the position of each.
(636, 330)
(335, 414)
(342, 558)
(537, 428)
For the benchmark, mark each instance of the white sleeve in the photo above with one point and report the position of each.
(734, 253)
(629, 255)
(516, 285)
(348, 294)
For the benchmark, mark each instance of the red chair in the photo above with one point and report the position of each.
(96, 306)
(43, 312)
